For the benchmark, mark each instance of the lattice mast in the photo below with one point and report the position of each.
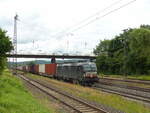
(15, 43)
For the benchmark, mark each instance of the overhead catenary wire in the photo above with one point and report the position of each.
(66, 31)
(97, 18)
(95, 14)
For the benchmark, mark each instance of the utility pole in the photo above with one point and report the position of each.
(15, 44)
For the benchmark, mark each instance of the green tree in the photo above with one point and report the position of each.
(5, 46)
(127, 53)
(102, 48)
(145, 26)
(31, 63)
(140, 47)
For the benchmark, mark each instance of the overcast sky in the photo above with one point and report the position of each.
(69, 26)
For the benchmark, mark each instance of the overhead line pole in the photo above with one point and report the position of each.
(15, 44)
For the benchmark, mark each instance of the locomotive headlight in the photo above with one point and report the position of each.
(91, 75)
(87, 75)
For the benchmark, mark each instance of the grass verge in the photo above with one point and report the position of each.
(14, 98)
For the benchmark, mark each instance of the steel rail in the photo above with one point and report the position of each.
(124, 86)
(147, 82)
(125, 94)
(84, 104)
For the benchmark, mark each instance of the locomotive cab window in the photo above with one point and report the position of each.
(93, 67)
(86, 68)
(90, 67)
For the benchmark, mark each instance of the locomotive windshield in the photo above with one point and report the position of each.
(93, 67)
(89, 67)
(86, 68)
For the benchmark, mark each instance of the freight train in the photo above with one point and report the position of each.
(84, 73)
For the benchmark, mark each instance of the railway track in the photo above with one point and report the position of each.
(129, 94)
(125, 86)
(77, 105)
(146, 82)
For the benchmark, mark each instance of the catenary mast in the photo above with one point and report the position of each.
(15, 44)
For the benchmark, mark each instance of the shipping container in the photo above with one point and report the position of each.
(50, 69)
(41, 68)
(27, 68)
(36, 68)
(19, 67)
(31, 68)
(24, 68)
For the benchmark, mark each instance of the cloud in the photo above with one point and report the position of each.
(51, 23)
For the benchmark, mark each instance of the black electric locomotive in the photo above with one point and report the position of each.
(84, 73)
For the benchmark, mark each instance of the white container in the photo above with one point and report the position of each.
(26, 68)
(42, 68)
